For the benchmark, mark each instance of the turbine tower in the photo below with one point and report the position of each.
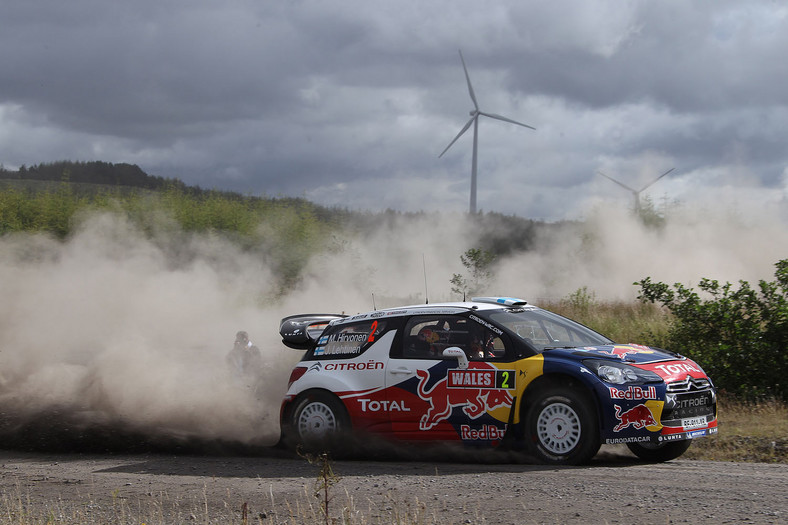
(475, 112)
(635, 192)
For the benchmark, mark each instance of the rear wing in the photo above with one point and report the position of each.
(302, 330)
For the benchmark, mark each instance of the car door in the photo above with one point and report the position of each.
(447, 397)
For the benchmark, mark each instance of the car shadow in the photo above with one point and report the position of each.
(177, 453)
(370, 459)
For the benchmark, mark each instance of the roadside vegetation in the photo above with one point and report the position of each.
(162, 509)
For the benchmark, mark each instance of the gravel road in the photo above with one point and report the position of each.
(275, 486)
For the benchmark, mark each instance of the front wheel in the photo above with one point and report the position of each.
(562, 427)
(657, 453)
(318, 419)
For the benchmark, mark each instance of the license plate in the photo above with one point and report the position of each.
(693, 422)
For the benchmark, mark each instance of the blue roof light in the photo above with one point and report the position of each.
(506, 301)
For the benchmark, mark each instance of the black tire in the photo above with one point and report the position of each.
(657, 453)
(562, 427)
(317, 420)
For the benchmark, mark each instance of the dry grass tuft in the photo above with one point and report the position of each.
(623, 322)
(748, 432)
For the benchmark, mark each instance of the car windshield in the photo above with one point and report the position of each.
(545, 330)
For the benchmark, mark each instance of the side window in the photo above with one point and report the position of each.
(532, 330)
(544, 332)
(349, 340)
(426, 337)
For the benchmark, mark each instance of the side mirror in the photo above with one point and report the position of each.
(457, 353)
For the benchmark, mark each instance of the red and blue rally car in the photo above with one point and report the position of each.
(492, 371)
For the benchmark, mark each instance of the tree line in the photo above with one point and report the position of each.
(501, 234)
(93, 172)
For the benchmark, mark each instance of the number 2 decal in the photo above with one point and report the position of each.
(372, 330)
(504, 379)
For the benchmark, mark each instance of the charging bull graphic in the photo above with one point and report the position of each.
(638, 417)
(458, 390)
(623, 351)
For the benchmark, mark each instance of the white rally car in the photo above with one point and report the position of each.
(490, 372)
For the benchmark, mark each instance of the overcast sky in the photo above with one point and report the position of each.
(350, 102)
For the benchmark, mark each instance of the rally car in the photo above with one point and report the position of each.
(495, 372)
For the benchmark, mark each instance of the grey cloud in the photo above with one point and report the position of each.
(286, 98)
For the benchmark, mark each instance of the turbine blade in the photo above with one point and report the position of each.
(655, 180)
(470, 87)
(619, 183)
(500, 117)
(463, 130)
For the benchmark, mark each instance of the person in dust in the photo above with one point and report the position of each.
(245, 361)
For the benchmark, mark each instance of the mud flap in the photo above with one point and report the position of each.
(514, 433)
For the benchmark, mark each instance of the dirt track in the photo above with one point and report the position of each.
(277, 485)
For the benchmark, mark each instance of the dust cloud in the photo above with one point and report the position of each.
(110, 326)
(116, 328)
(611, 249)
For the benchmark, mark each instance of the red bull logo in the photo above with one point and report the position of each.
(638, 417)
(486, 433)
(481, 391)
(622, 351)
(634, 393)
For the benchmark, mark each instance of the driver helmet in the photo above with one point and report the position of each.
(429, 335)
(242, 338)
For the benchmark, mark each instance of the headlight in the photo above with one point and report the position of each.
(619, 373)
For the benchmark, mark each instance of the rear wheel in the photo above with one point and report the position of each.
(317, 419)
(657, 453)
(562, 427)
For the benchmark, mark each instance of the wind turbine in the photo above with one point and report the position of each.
(475, 112)
(635, 192)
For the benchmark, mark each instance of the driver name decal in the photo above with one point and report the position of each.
(349, 342)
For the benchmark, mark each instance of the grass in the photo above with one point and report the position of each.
(748, 432)
(158, 509)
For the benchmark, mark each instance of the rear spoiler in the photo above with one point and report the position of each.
(302, 330)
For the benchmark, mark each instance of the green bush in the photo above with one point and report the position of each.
(739, 336)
